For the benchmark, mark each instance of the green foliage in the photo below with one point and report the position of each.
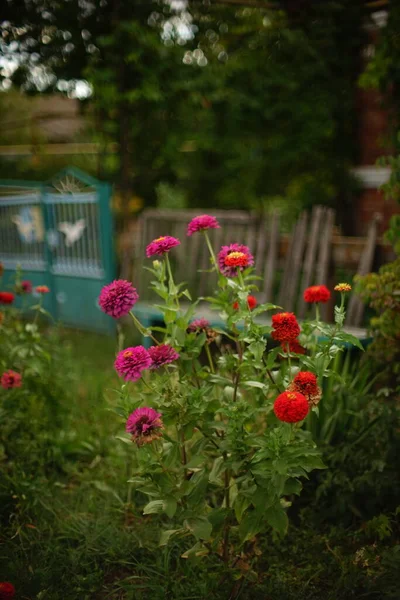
(249, 106)
(346, 395)
(381, 292)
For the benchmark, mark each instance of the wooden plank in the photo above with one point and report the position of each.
(261, 245)
(293, 262)
(271, 260)
(356, 307)
(311, 253)
(322, 267)
(298, 255)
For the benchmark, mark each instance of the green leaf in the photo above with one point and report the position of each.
(250, 525)
(257, 349)
(349, 339)
(197, 550)
(255, 384)
(155, 506)
(240, 505)
(170, 506)
(216, 471)
(167, 534)
(277, 518)
(201, 528)
(292, 486)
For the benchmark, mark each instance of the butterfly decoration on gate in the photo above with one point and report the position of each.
(72, 231)
(29, 224)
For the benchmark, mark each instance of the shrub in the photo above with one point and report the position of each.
(215, 413)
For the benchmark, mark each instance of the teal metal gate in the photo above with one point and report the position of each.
(61, 235)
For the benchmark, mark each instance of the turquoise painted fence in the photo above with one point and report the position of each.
(61, 234)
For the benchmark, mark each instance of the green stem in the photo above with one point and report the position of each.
(227, 505)
(38, 309)
(240, 279)
(142, 329)
(213, 257)
(317, 315)
(273, 381)
(289, 362)
(172, 287)
(210, 360)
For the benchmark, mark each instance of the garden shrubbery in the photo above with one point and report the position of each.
(249, 469)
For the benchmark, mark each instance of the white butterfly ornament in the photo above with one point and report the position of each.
(72, 231)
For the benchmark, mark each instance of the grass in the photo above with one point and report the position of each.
(69, 533)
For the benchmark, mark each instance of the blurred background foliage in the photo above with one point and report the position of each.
(228, 106)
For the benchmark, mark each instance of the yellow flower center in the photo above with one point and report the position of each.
(160, 239)
(127, 353)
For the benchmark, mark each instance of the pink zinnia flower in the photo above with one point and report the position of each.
(162, 355)
(130, 362)
(145, 425)
(202, 223)
(234, 257)
(10, 379)
(198, 325)
(26, 286)
(117, 298)
(161, 245)
(42, 289)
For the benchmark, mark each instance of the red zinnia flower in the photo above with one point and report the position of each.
(161, 245)
(117, 298)
(291, 407)
(286, 327)
(10, 379)
(202, 223)
(162, 355)
(305, 382)
(293, 346)
(42, 289)
(6, 298)
(316, 293)
(251, 303)
(145, 425)
(7, 590)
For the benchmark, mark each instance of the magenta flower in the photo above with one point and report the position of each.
(10, 379)
(202, 223)
(162, 355)
(117, 298)
(241, 259)
(130, 363)
(161, 245)
(198, 325)
(26, 286)
(145, 425)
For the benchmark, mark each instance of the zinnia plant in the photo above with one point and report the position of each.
(216, 412)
